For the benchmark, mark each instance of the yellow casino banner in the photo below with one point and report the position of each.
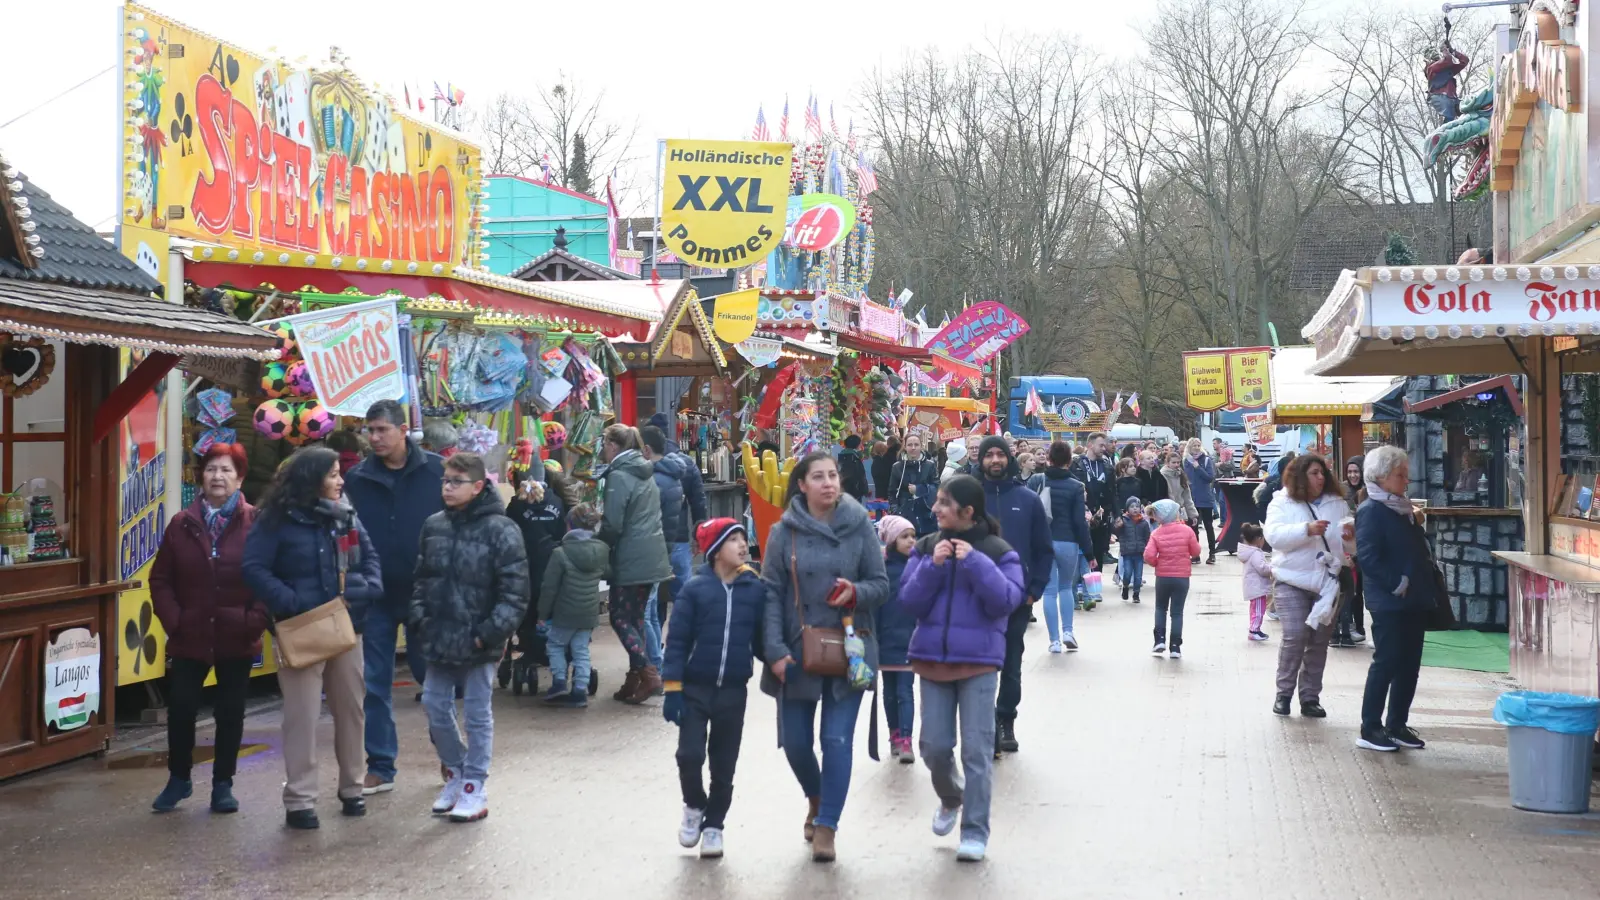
(281, 161)
(724, 202)
(1205, 380)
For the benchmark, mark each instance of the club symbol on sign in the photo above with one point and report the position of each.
(138, 638)
(182, 127)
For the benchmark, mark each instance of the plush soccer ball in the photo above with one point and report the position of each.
(299, 380)
(287, 348)
(312, 421)
(275, 380)
(275, 419)
(555, 435)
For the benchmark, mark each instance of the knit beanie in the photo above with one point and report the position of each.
(891, 527)
(713, 533)
(1166, 511)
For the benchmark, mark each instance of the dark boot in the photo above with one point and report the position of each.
(177, 789)
(822, 845)
(1280, 706)
(629, 685)
(222, 799)
(649, 682)
(302, 819)
(1008, 737)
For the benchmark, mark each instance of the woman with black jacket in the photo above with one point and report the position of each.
(307, 548)
(541, 516)
(1064, 498)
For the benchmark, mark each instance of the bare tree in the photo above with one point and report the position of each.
(987, 193)
(564, 124)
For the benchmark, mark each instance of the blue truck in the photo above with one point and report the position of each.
(1054, 391)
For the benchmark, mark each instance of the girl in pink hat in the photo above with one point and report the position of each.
(894, 636)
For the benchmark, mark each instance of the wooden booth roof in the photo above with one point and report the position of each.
(60, 280)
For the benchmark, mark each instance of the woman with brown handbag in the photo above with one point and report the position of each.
(842, 577)
(307, 550)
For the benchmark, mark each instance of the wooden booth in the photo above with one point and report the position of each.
(75, 315)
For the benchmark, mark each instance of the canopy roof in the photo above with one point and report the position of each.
(1298, 395)
(1439, 320)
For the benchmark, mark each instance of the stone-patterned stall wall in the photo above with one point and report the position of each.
(1462, 543)
(1477, 581)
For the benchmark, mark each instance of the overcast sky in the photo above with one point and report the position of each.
(681, 69)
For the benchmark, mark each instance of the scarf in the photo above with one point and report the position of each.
(979, 536)
(217, 518)
(1396, 502)
(340, 518)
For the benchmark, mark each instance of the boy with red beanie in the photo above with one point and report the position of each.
(714, 633)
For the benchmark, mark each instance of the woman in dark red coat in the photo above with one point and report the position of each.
(212, 621)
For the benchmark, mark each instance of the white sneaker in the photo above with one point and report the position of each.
(944, 821)
(1055, 646)
(711, 843)
(1070, 641)
(1159, 649)
(1272, 615)
(451, 794)
(689, 832)
(1175, 654)
(473, 803)
(970, 851)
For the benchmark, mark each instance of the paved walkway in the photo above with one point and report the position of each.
(1138, 777)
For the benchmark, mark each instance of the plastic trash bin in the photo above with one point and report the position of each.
(1550, 739)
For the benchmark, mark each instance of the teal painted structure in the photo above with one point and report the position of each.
(523, 217)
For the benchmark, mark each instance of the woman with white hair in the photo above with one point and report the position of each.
(1397, 567)
(1305, 558)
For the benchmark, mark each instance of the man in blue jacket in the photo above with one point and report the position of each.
(1025, 527)
(683, 508)
(394, 490)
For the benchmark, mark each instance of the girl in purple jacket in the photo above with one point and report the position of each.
(961, 583)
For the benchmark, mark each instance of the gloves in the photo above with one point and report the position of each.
(672, 707)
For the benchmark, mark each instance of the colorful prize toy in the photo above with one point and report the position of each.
(555, 436)
(275, 380)
(275, 419)
(312, 421)
(284, 332)
(299, 379)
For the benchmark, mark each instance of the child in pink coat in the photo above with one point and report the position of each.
(1257, 575)
(1173, 545)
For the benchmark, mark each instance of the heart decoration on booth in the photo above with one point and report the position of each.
(25, 364)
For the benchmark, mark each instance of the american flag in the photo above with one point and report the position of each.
(850, 137)
(783, 123)
(438, 92)
(866, 179)
(544, 164)
(833, 124)
(761, 133)
(813, 119)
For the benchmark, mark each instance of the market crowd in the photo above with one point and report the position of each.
(935, 595)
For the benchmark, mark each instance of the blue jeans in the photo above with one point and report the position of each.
(973, 699)
(652, 628)
(1131, 570)
(830, 782)
(681, 555)
(439, 699)
(379, 639)
(557, 642)
(1059, 593)
(900, 702)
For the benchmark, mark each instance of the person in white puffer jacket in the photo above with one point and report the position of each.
(1305, 522)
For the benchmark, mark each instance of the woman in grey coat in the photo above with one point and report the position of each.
(834, 537)
(631, 525)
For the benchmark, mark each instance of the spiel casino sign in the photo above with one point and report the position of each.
(225, 147)
(724, 202)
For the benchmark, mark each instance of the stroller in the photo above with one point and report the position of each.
(525, 653)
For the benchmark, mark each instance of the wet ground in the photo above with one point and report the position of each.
(1137, 777)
